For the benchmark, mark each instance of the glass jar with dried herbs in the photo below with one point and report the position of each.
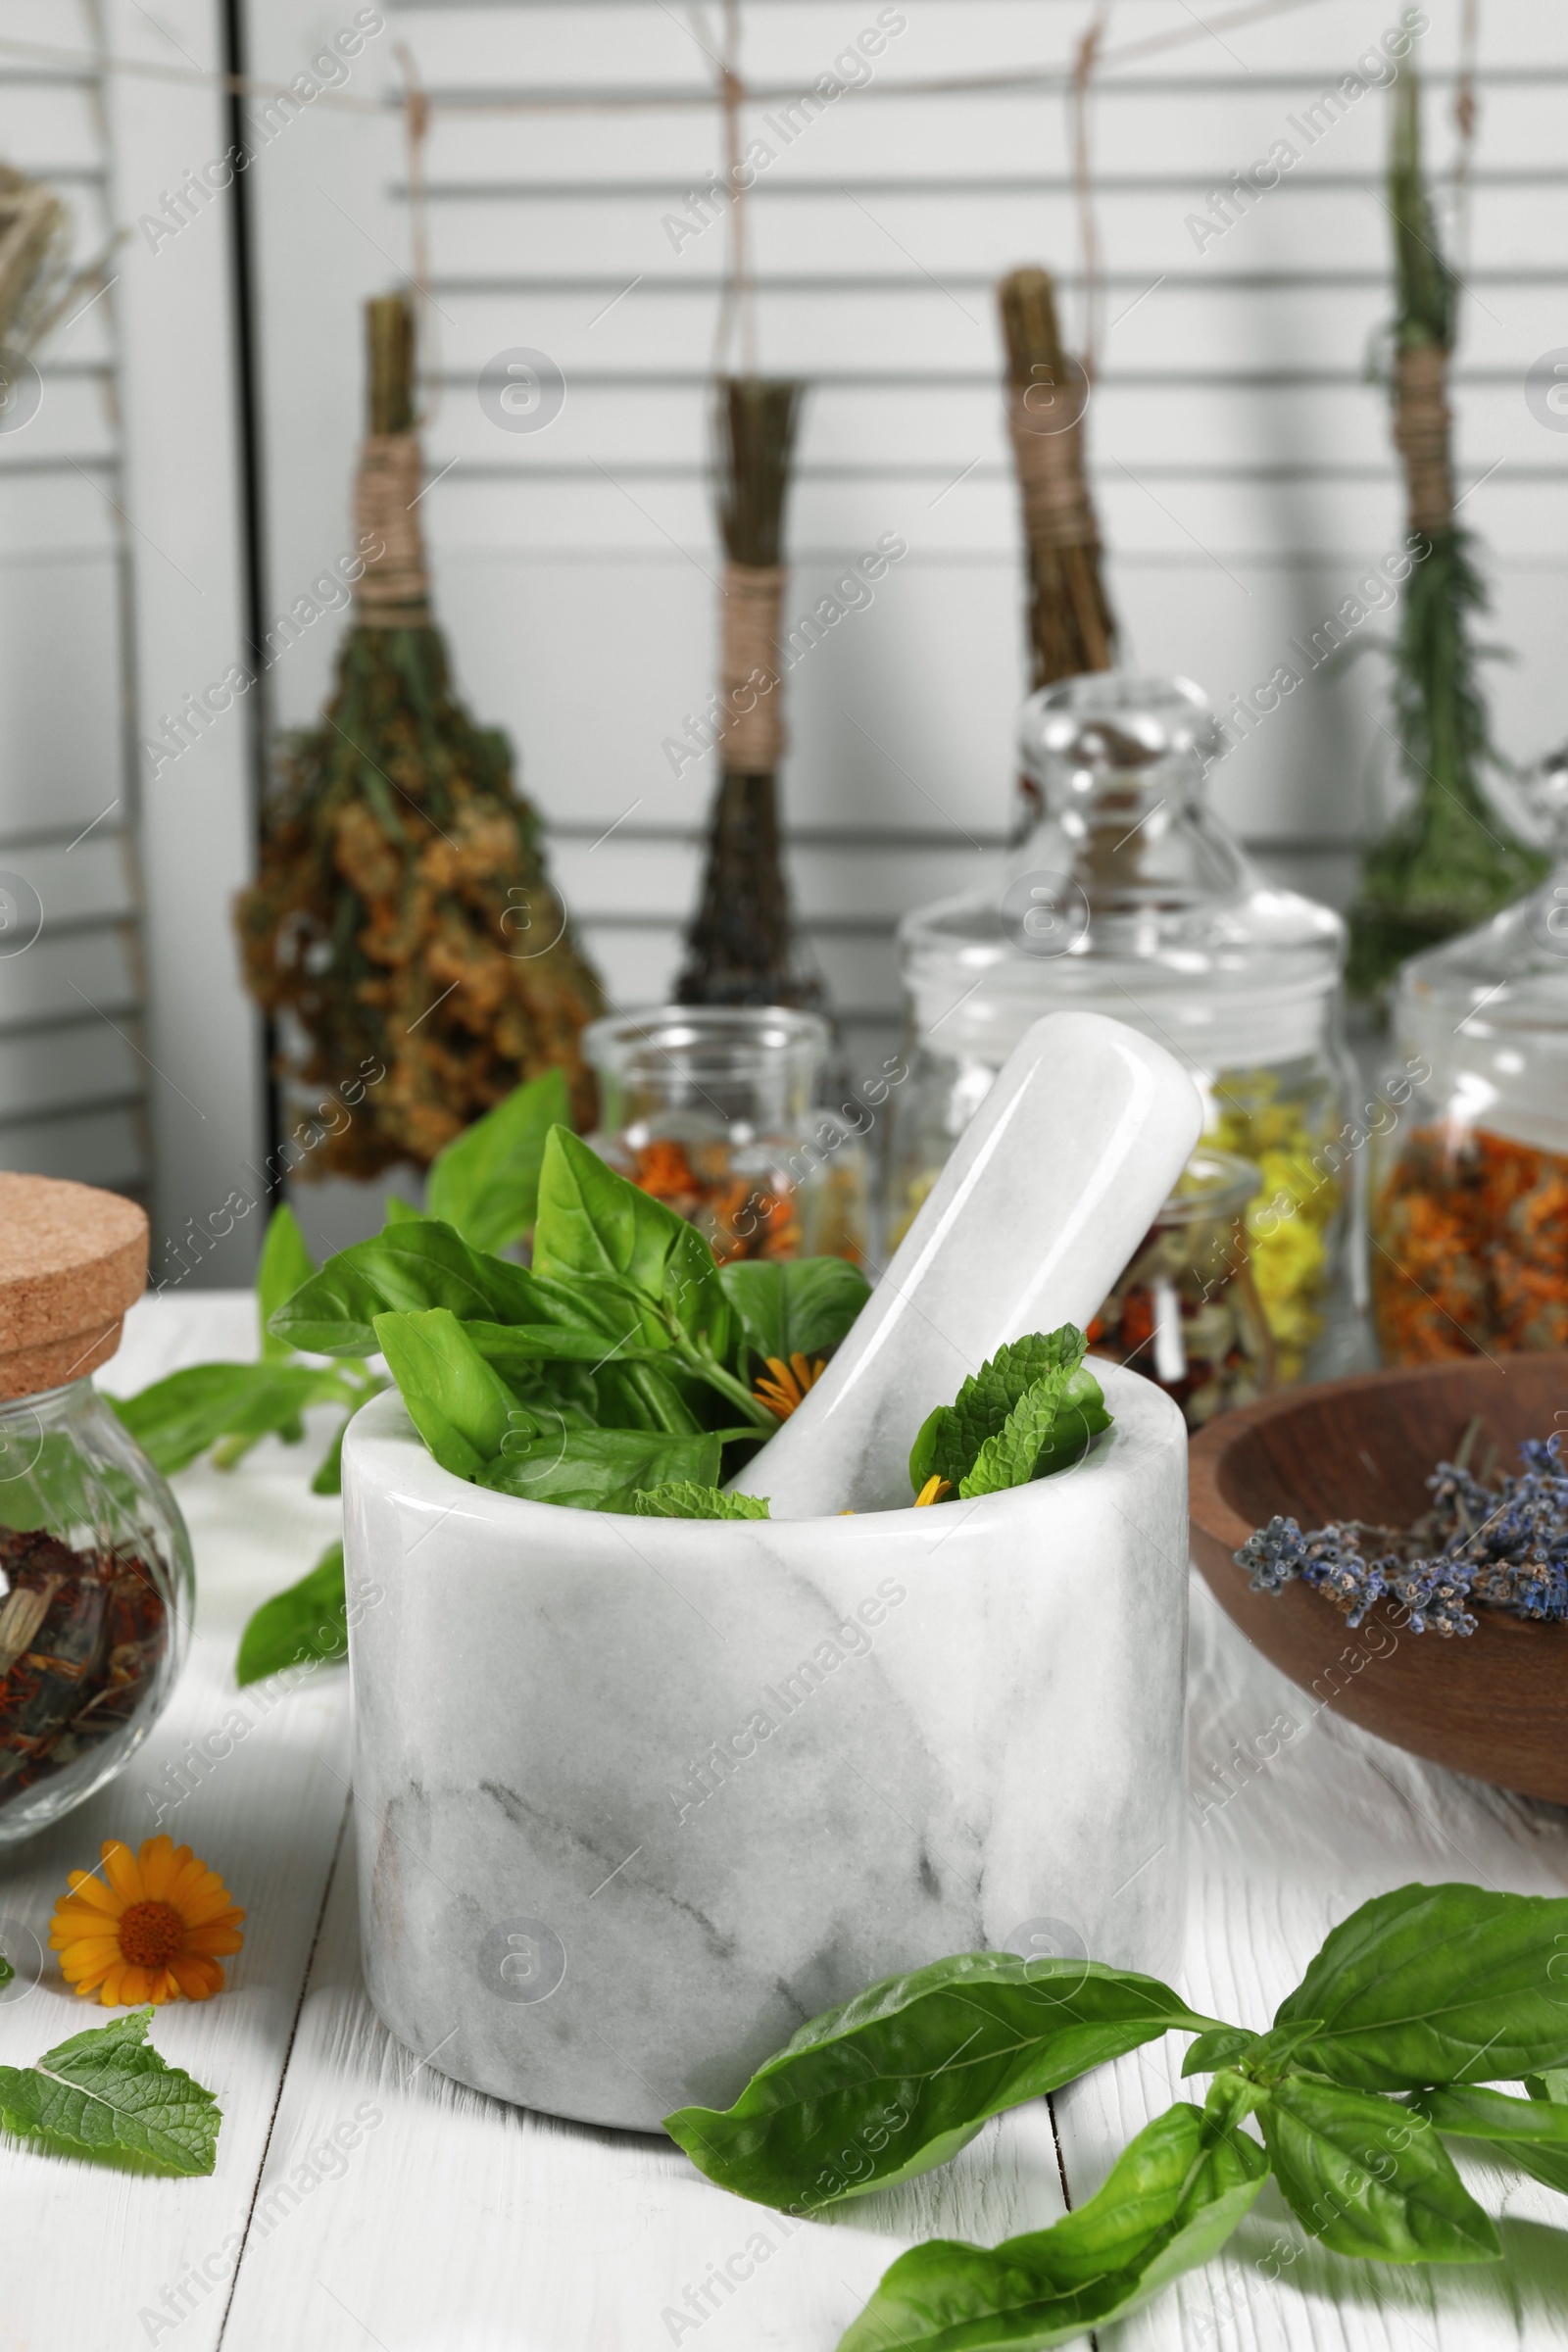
(1470, 1193)
(1130, 898)
(96, 1587)
(710, 1109)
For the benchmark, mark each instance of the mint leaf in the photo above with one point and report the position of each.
(485, 1183)
(907, 2072)
(1170, 2202)
(678, 1498)
(108, 2092)
(1053, 1423)
(1437, 1985)
(1367, 2179)
(309, 1620)
(952, 1438)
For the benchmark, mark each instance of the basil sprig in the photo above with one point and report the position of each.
(619, 1363)
(1430, 1993)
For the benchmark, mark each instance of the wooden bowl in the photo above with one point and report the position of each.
(1494, 1703)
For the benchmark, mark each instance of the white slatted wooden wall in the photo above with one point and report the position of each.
(1240, 461)
(72, 1087)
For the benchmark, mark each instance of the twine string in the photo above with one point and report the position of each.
(393, 592)
(752, 708)
(1078, 108)
(1056, 506)
(1421, 430)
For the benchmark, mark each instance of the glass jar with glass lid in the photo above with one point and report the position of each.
(1470, 1191)
(1130, 898)
(95, 1568)
(710, 1109)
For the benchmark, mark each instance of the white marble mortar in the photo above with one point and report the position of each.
(637, 1796)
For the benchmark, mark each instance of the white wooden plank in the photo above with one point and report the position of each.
(267, 1817)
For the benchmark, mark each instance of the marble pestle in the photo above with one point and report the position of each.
(1050, 1188)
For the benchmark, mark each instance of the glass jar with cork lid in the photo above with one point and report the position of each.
(96, 1586)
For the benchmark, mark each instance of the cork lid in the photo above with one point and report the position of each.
(71, 1260)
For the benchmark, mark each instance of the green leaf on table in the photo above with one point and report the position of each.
(61, 1484)
(285, 1264)
(679, 1498)
(178, 1418)
(309, 1620)
(457, 1402)
(409, 1267)
(1437, 1984)
(592, 1221)
(108, 2092)
(1367, 2179)
(485, 1183)
(599, 1469)
(1532, 2131)
(907, 2072)
(794, 1306)
(1171, 2201)
(950, 1439)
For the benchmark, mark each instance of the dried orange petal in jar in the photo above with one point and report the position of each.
(711, 1109)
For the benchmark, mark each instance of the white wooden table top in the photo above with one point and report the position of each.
(453, 2224)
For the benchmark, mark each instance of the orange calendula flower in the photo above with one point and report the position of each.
(789, 1383)
(149, 1930)
(935, 1490)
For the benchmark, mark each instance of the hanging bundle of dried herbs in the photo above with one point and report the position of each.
(1448, 861)
(740, 947)
(402, 911)
(34, 245)
(1071, 626)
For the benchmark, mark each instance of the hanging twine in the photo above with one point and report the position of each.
(394, 590)
(751, 705)
(1421, 429)
(1056, 506)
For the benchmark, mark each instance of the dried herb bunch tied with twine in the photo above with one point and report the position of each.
(401, 911)
(742, 948)
(1448, 861)
(34, 249)
(1071, 626)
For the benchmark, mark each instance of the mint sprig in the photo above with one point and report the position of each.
(108, 2094)
(1029, 1411)
(679, 1498)
(1428, 1992)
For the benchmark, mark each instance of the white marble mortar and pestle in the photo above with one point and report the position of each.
(635, 1797)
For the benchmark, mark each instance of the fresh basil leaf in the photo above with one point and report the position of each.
(1437, 1985)
(108, 2092)
(7, 1971)
(794, 1306)
(485, 1183)
(1172, 2199)
(309, 1620)
(406, 1269)
(1551, 2086)
(952, 1437)
(643, 1396)
(398, 1211)
(599, 1469)
(1210, 2051)
(1367, 2180)
(284, 1264)
(459, 1403)
(178, 1418)
(1532, 2131)
(592, 1221)
(945, 2047)
(680, 1499)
